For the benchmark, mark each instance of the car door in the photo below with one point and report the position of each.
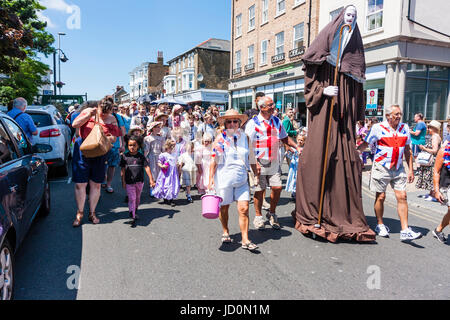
(30, 175)
(12, 178)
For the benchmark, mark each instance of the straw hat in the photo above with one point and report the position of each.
(232, 114)
(134, 128)
(153, 124)
(435, 124)
(160, 115)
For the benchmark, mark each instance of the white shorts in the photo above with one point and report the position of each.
(229, 195)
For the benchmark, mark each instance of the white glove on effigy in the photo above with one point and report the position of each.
(330, 91)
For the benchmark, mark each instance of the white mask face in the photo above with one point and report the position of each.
(350, 15)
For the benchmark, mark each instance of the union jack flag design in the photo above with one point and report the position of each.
(390, 144)
(266, 142)
(219, 147)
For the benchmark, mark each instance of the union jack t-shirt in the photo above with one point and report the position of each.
(265, 136)
(390, 143)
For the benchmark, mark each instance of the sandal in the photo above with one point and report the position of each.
(77, 221)
(110, 190)
(249, 246)
(226, 238)
(93, 218)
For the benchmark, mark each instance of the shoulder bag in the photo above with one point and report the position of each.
(424, 159)
(96, 143)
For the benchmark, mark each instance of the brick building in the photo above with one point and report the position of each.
(201, 75)
(147, 78)
(268, 39)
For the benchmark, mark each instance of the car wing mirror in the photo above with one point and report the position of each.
(42, 148)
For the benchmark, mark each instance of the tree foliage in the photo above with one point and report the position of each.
(22, 37)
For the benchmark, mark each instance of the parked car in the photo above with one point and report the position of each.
(24, 193)
(54, 131)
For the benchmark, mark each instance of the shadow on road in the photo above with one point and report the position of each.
(48, 262)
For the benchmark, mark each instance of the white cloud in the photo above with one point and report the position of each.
(59, 5)
(44, 18)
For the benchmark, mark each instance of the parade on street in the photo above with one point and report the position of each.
(303, 156)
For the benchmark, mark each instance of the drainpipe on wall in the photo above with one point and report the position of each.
(309, 22)
(230, 98)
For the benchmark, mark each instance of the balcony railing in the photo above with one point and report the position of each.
(249, 67)
(297, 52)
(278, 58)
(237, 71)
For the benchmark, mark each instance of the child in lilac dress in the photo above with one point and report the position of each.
(168, 184)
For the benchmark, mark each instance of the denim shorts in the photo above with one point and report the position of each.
(87, 169)
(113, 158)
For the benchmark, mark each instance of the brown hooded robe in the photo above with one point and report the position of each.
(343, 215)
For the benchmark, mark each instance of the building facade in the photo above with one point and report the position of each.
(200, 75)
(269, 38)
(148, 77)
(407, 51)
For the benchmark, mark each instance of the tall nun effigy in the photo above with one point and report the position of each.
(342, 214)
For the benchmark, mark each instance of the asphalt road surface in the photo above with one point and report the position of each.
(175, 253)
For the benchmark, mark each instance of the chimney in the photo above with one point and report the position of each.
(160, 57)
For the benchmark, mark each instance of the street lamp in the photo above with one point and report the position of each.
(63, 58)
(59, 57)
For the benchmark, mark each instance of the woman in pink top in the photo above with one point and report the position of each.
(91, 170)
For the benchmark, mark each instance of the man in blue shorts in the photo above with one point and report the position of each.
(113, 158)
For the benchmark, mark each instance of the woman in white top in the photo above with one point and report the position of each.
(229, 173)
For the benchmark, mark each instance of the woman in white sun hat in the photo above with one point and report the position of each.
(233, 157)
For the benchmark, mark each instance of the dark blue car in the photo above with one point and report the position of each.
(24, 193)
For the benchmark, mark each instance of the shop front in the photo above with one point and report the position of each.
(205, 98)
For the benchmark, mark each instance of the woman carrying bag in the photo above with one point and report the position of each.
(92, 170)
(229, 173)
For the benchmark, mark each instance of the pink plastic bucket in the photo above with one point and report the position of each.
(211, 206)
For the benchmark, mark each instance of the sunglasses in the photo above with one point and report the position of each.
(232, 121)
(270, 105)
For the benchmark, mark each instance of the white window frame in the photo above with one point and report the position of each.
(277, 44)
(280, 12)
(251, 18)
(298, 2)
(264, 11)
(299, 38)
(239, 25)
(335, 12)
(251, 58)
(238, 61)
(376, 12)
(263, 57)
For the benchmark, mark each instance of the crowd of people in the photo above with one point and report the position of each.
(230, 155)
(234, 155)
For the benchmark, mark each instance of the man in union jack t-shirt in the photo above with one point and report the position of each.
(267, 135)
(392, 139)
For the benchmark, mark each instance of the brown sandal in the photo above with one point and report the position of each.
(77, 221)
(93, 218)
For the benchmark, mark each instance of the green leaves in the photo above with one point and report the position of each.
(22, 37)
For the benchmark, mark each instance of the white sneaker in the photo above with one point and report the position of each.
(382, 230)
(259, 223)
(265, 205)
(408, 234)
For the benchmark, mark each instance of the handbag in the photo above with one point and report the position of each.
(424, 159)
(96, 143)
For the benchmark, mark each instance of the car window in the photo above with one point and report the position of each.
(18, 136)
(41, 119)
(7, 149)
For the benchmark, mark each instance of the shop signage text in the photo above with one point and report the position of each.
(280, 75)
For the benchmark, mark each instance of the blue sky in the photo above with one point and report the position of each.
(116, 36)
